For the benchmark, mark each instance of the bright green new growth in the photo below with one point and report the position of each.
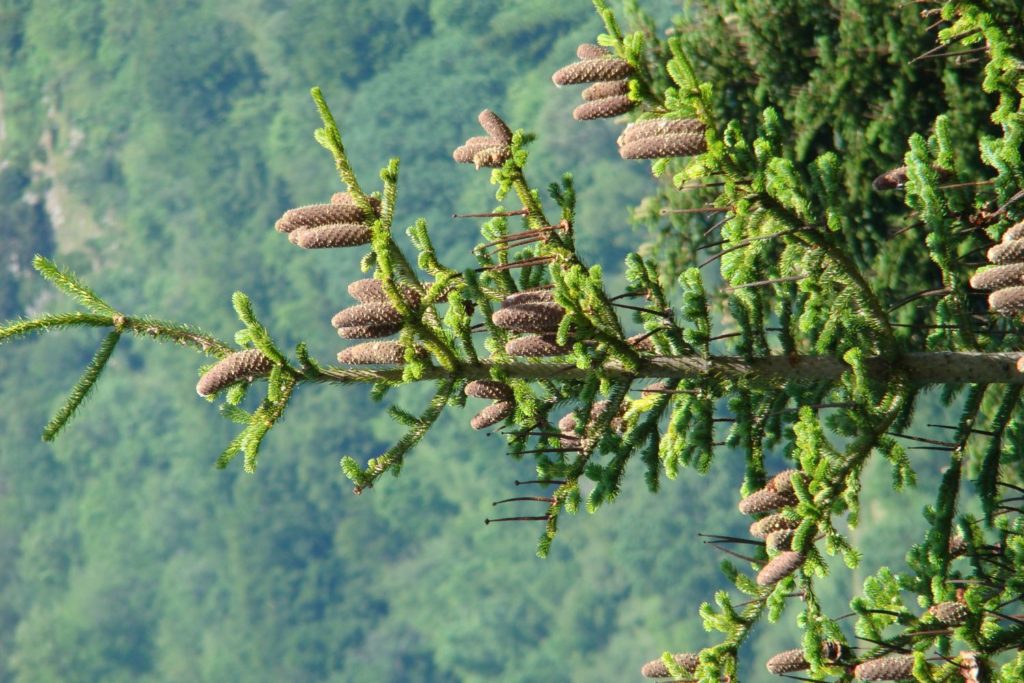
(843, 186)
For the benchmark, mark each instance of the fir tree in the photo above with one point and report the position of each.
(848, 163)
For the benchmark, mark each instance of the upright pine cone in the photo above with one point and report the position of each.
(766, 500)
(1014, 232)
(783, 481)
(488, 388)
(492, 414)
(1011, 251)
(371, 289)
(780, 539)
(373, 313)
(331, 236)
(491, 150)
(604, 108)
(656, 668)
(891, 668)
(591, 51)
(241, 365)
(528, 296)
(535, 346)
(530, 317)
(369, 331)
(605, 68)
(1007, 301)
(779, 567)
(472, 147)
(315, 215)
(891, 179)
(676, 145)
(346, 198)
(373, 353)
(950, 613)
(603, 89)
(495, 127)
(656, 128)
(787, 662)
(766, 525)
(998, 277)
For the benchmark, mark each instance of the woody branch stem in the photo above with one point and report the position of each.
(938, 367)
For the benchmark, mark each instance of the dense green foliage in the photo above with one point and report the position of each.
(181, 132)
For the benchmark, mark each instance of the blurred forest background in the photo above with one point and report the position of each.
(150, 147)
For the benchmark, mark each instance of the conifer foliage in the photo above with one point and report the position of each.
(847, 163)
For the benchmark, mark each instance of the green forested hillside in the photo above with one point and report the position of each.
(151, 146)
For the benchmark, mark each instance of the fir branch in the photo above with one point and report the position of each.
(53, 321)
(67, 282)
(82, 388)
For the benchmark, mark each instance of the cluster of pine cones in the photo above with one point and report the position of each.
(534, 314)
(324, 226)
(489, 150)
(1005, 277)
(776, 529)
(609, 96)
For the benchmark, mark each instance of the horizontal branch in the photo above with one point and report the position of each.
(940, 367)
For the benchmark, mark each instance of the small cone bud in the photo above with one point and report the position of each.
(373, 313)
(891, 180)
(779, 567)
(331, 236)
(492, 414)
(368, 331)
(591, 51)
(529, 317)
(373, 353)
(891, 668)
(642, 342)
(788, 662)
(247, 365)
(528, 296)
(656, 128)
(781, 539)
(765, 500)
(950, 613)
(315, 215)
(970, 667)
(567, 424)
(1015, 232)
(492, 157)
(783, 481)
(998, 277)
(535, 346)
(592, 71)
(677, 145)
(656, 668)
(832, 651)
(495, 127)
(604, 89)
(604, 108)
(762, 527)
(654, 389)
(372, 289)
(488, 388)
(1009, 301)
(957, 546)
(1007, 252)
